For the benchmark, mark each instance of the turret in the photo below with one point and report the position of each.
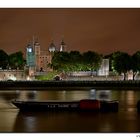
(62, 46)
(52, 47)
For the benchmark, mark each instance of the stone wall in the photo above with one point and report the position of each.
(12, 75)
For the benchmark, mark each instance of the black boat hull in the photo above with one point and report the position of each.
(82, 105)
(46, 106)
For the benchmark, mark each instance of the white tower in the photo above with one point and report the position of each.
(62, 46)
(52, 47)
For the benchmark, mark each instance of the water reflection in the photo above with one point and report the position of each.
(59, 122)
(100, 94)
(66, 95)
(128, 99)
(31, 95)
(76, 122)
(8, 95)
(126, 120)
(92, 94)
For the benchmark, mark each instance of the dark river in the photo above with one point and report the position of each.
(126, 120)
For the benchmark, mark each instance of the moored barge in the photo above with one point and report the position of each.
(56, 105)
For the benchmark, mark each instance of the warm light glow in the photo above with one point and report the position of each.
(12, 77)
(28, 78)
(130, 75)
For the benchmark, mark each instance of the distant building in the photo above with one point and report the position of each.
(38, 60)
(104, 68)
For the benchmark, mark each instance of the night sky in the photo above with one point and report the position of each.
(100, 30)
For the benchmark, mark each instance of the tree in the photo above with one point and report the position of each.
(16, 60)
(60, 61)
(3, 59)
(75, 56)
(74, 61)
(121, 63)
(135, 63)
(92, 60)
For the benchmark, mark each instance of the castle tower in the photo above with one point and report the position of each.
(37, 55)
(52, 47)
(62, 46)
(30, 58)
(30, 55)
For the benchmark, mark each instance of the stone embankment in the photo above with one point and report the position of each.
(43, 85)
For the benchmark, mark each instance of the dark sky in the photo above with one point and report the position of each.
(100, 30)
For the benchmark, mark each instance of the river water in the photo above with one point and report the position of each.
(126, 120)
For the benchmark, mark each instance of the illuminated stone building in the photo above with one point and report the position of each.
(104, 68)
(38, 60)
(30, 59)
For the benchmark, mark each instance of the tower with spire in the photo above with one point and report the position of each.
(37, 55)
(62, 46)
(52, 47)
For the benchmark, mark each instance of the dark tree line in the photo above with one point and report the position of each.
(122, 62)
(75, 61)
(12, 61)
